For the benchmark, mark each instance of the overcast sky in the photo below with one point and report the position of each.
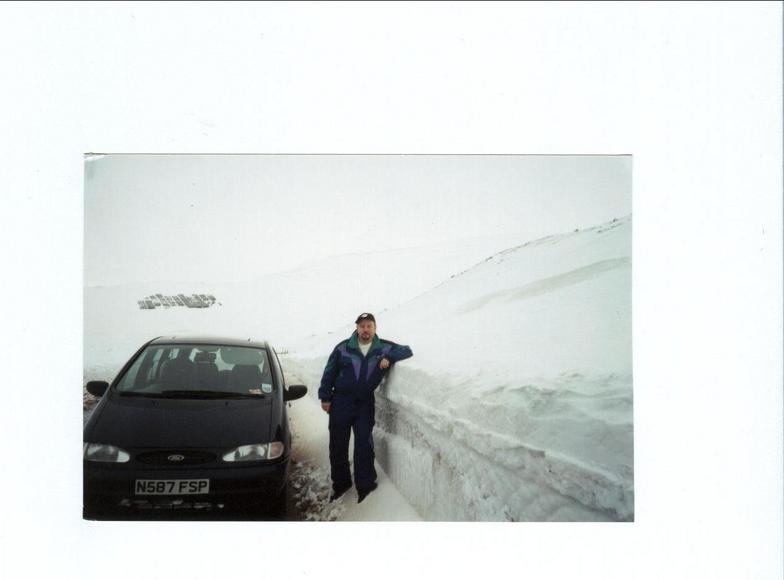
(225, 217)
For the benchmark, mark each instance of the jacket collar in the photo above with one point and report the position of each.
(353, 343)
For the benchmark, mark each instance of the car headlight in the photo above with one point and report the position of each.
(105, 453)
(258, 452)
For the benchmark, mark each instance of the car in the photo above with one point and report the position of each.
(190, 424)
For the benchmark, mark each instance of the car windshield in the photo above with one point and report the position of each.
(199, 370)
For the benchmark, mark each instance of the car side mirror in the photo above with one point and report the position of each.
(294, 392)
(97, 388)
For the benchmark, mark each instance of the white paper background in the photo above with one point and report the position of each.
(693, 91)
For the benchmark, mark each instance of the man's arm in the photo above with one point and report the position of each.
(329, 376)
(397, 353)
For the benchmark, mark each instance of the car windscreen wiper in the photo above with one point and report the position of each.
(206, 394)
(137, 394)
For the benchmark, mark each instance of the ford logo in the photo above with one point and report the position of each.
(175, 457)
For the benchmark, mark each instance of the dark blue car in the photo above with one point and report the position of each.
(190, 424)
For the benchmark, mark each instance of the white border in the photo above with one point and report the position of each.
(692, 90)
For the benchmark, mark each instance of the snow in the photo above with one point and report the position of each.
(310, 480)
(517, 404)
(324, 293)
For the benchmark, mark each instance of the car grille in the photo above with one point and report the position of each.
(175, 457)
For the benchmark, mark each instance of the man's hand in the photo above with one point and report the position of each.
(326, 405)
(384, 364)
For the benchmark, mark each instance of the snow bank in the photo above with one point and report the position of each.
(517, 404)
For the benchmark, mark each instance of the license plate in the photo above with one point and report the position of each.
(172, 486)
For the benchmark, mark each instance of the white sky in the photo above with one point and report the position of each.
(227, 217)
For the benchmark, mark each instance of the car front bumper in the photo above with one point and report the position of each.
(109, 487)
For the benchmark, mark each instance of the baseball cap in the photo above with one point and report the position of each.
(365, 316)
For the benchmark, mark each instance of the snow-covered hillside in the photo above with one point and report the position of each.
(517, 404)
(281, 307)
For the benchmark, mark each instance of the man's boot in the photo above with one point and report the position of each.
(338, 491)
(363, 493)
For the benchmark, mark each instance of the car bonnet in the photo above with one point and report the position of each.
(193, 423)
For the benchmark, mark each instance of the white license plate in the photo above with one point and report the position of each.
(172, 486)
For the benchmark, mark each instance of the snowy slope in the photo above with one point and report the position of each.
(281, 307)
(517, 404)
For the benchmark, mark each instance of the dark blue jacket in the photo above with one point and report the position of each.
(350, 374)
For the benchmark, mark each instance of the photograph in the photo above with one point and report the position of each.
(459, 289)
(358, 338)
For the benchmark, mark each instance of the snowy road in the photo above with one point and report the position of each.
(310, 482)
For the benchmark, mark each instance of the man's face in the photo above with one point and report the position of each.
(366, 329)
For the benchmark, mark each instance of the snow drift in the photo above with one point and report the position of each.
(282, 307)
(517, 404)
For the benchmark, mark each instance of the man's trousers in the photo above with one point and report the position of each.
(345, 415)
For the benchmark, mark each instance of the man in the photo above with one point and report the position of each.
(354, 370)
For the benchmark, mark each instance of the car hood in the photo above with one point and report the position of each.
(142, 422)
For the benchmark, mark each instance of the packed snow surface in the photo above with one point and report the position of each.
(517, 404)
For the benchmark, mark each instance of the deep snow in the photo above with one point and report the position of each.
(325, 293)
(517, 404)
(283, 307)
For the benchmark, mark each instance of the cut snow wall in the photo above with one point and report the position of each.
(451, 469)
